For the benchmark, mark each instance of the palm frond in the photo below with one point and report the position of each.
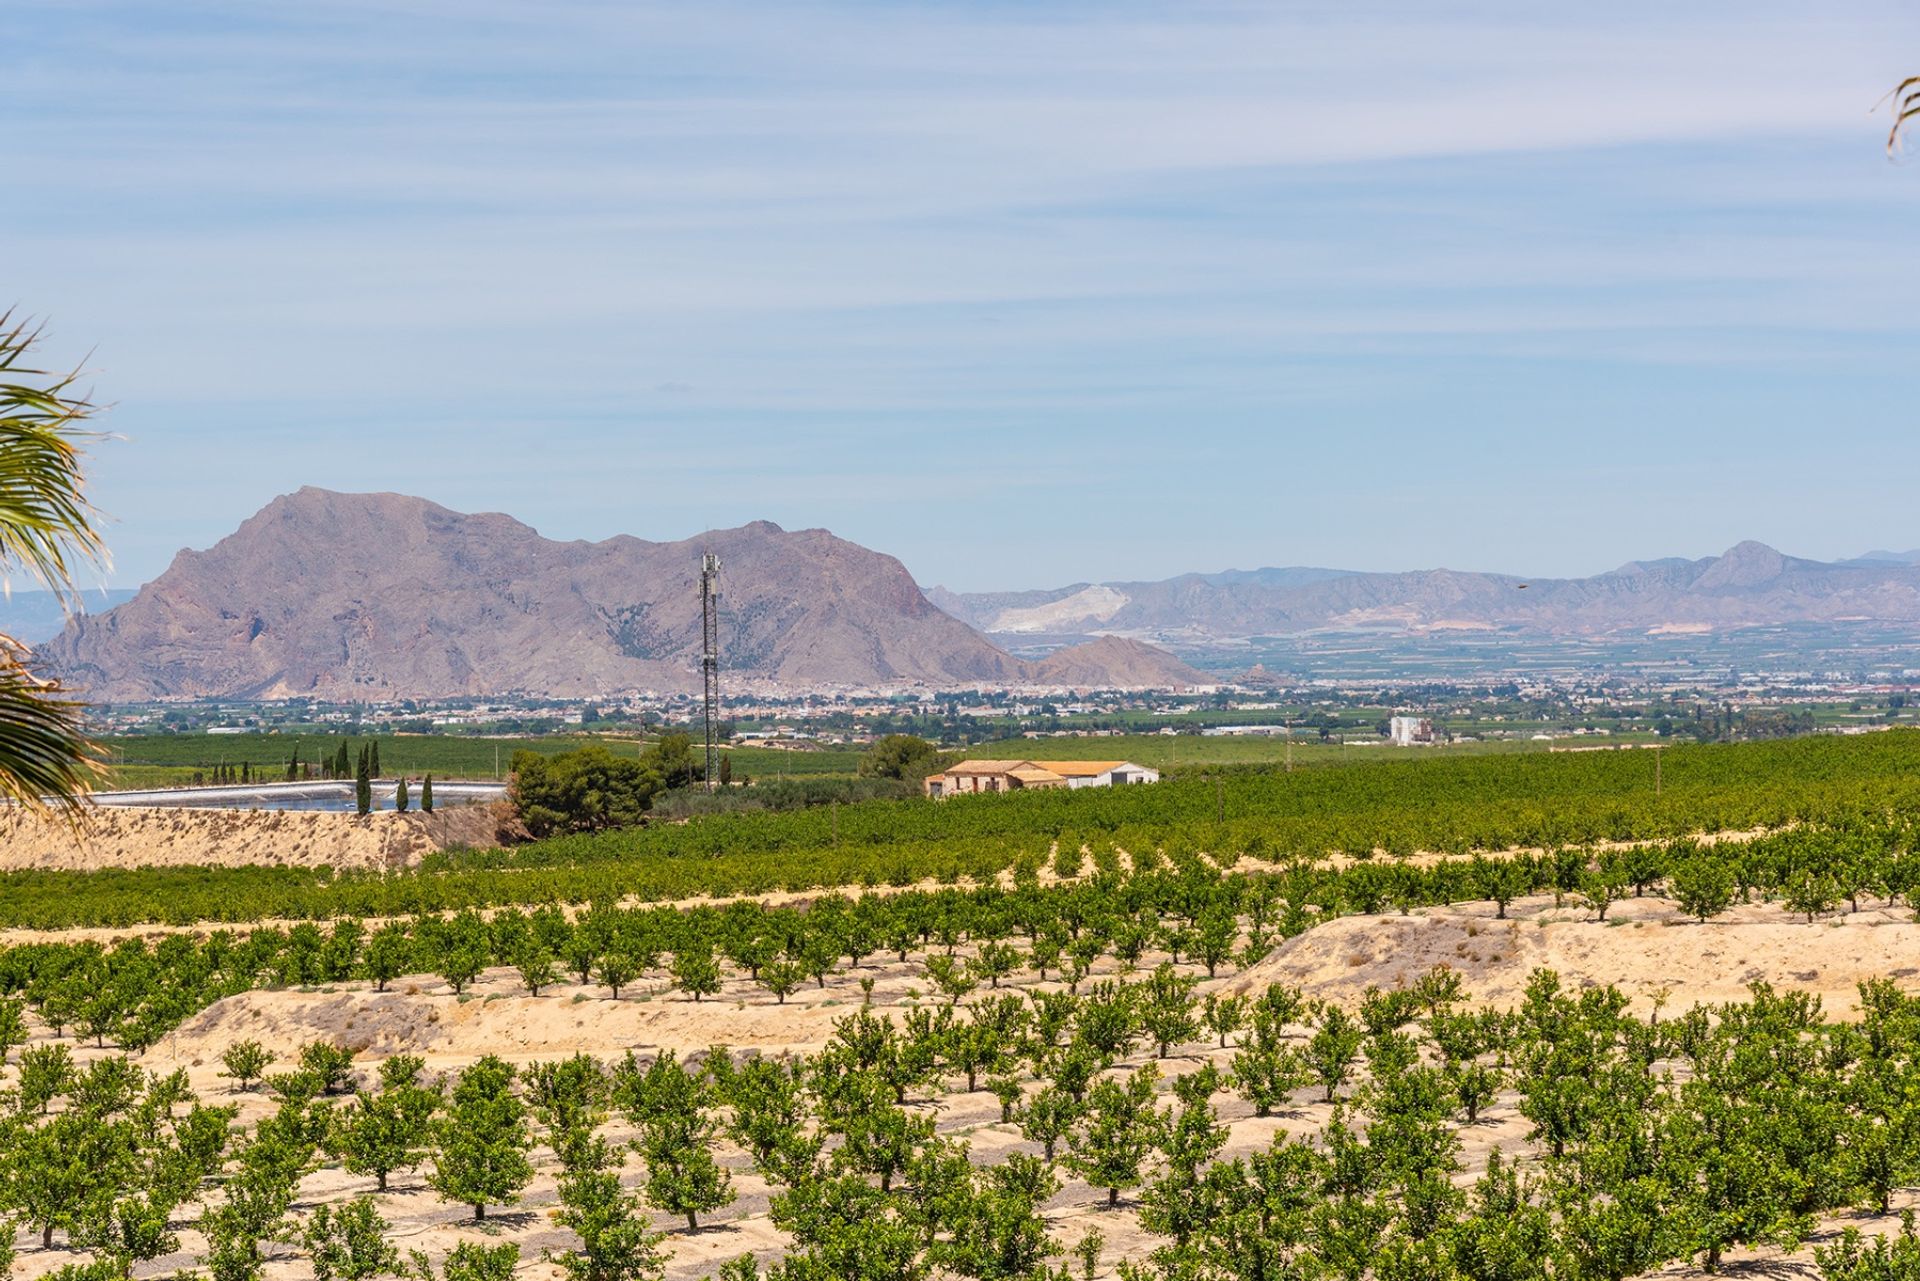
(46, 523)
(1905, 100)
(47, 763)
(47, 530)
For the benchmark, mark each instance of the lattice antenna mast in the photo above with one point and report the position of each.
(710, 660)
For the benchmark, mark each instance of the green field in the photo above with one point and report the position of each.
(1171, 753)
(161, 760)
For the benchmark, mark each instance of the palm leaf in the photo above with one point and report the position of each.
(47, 530)
(46, 524)
(1906, 105)
(46, 761)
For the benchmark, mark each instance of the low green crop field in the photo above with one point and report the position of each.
(163, 760)
(773, 762)
(1174, 752)
(444, 755)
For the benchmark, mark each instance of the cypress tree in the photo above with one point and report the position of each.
(246, 771)
(376, 758)
(400, 796)
(426, 795)
(293, 766)
(363, 787)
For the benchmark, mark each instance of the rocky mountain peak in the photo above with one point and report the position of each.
(1746, 564)
(383, 596)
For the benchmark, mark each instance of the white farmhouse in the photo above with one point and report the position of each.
(1007, 776)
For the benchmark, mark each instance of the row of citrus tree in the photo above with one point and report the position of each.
(1182, 906)
(1648, 1142)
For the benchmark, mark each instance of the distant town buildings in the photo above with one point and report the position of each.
(969, 777)
(1406, 731)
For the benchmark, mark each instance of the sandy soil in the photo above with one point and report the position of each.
(1645, 948)
(231, 838)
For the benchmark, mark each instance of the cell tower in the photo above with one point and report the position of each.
(710, 659)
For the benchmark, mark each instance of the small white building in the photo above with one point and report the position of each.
(1406, 731)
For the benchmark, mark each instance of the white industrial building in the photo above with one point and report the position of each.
(1408, 731)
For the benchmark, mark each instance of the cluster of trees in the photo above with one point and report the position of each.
(342, 764)
(592, 790)
(906, 757)
(1649, 1141)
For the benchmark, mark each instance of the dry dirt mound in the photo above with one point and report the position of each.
(444, 1027)
(230, 838)
(1645, 951)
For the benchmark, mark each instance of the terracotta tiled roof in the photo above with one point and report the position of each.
(984, 767)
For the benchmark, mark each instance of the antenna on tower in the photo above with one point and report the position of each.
(710, 659)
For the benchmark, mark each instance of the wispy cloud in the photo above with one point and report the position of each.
(1251, 231)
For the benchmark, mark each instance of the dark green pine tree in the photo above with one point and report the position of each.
(400, 801)
(426, 795)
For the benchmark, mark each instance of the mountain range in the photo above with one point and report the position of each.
(1749, 585)
(384, 596)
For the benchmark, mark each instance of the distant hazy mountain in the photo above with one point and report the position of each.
(1752, 584)
(1112, 662)
(33, 617)
(379, 596)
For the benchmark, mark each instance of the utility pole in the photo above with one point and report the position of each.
(710, 660)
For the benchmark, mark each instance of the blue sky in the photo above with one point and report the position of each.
(1024, 294)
